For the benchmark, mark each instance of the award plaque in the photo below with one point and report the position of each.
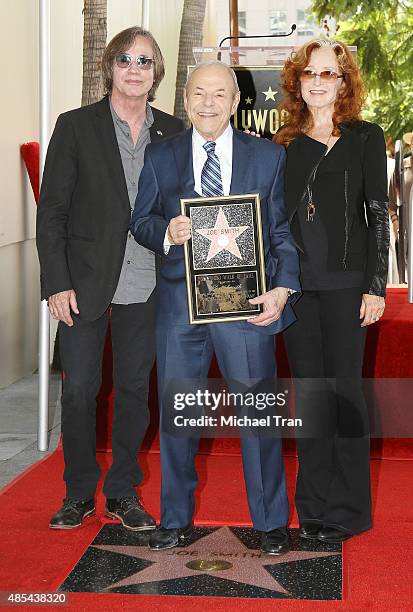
(224, 259)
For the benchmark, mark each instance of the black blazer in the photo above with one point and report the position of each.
(84, 211)
(350, 192)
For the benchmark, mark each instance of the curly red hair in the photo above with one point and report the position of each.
(348, 104)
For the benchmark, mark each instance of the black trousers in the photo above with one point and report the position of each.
(81, 350)
(325, 350)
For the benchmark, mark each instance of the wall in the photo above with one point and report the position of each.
(19, 271)
(66, 43)
(18, 259)
(165, 25)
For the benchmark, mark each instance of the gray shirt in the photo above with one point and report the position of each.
(137, 278)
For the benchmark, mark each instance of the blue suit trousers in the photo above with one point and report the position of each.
(185, 351)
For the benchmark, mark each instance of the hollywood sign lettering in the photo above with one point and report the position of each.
(260, 121)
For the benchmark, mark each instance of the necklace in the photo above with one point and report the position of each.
(311, 207)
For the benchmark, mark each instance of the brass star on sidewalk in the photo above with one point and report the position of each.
(269, 94)
(222, 236)
(247, 566)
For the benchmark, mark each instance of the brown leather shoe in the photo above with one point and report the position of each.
(130, 512)
(72, 513)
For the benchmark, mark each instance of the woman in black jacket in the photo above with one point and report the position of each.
(336, 194)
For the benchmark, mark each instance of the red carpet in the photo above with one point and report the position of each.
(389, 354)
(34, 558)
(378, 565)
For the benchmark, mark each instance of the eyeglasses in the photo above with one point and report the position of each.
(325, 75)
(124, 60)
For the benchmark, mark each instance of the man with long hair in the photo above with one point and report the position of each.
(92, 271)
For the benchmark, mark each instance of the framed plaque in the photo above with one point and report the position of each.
(224, 259)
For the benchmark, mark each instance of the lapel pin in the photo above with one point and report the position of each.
(159, 132)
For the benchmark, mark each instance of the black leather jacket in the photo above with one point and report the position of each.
(350, 192)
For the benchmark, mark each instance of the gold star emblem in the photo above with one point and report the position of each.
(269, 94)
(248, 100)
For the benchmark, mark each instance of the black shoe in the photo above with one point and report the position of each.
(275, 542)
(164, 538)
(72, 513)
(310, 531)
(333, 535)
(130, 512)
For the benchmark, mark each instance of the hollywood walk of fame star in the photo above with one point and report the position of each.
(269, 94)
(222, 236)
(248, 565)
(248, 100)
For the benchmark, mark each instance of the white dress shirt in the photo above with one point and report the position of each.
(223, 151)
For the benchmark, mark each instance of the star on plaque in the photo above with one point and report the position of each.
(248, 100)
(222, 236)
(241, 564)
(269, 94)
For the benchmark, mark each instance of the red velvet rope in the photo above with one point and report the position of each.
(30, 152)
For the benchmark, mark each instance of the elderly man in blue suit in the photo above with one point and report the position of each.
(212, 158)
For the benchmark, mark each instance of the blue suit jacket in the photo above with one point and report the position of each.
(167, 176)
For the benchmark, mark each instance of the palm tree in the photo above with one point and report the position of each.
(192, 23)
(94, 42)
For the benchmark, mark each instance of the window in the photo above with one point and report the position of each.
(306, 25)
(301, 18)
(278, 22)
(242, 22)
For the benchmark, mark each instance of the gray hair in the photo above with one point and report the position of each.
(327, 42)
(213, 63)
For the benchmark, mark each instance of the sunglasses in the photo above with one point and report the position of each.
(325, 75)
(124, 60)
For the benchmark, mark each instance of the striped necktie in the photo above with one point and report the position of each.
(211, 181)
